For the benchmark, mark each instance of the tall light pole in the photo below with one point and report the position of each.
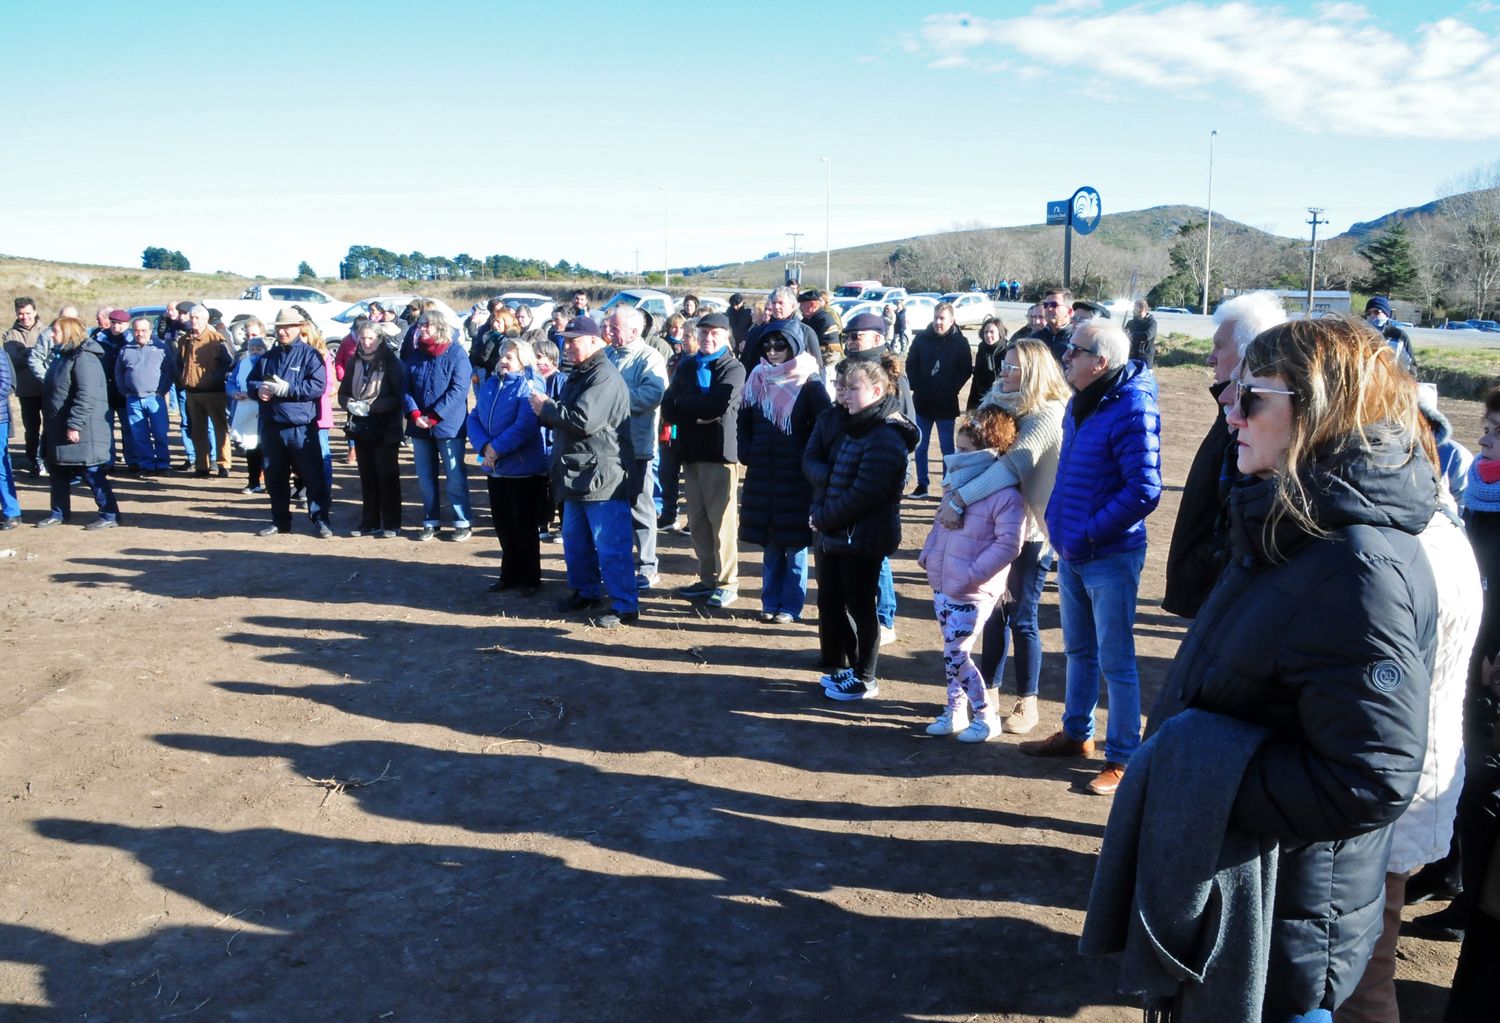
(827, 227)
(666, 267)
(1208, 246)
(1312, 257)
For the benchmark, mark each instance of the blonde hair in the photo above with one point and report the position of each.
(1042, 380)
(1344, 379)
(68, 332)
(523, 349)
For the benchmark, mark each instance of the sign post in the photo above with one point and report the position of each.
(1079, 213)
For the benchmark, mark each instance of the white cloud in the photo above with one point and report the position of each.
(1336, 67)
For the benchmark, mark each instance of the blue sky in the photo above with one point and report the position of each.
(253, 136)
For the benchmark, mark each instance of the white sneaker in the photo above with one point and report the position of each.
(887, 634)
(1023, 718)
(950, 721)
(724, 596)
(981, 729)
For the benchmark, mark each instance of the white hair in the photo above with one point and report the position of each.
(1106, 338)
(629, 315)
(782, 292)
(1249, 315)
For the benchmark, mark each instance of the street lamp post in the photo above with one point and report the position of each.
(827, 227)
(1208, 241)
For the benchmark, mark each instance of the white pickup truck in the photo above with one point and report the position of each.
(263, 301)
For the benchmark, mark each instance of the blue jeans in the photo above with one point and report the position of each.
(127, 442)
(146, 419)
(189, 450)
(1015, 618)
(1097, 599)
(10, 503)
(945, 444)
(783, 580)
(446, 453)
(327, 453)
(885, 596)
(599, 552)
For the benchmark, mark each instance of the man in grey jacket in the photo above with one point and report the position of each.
(645, 374)
(19, 341)
(590, 424)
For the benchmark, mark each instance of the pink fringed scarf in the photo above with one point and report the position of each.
(774, 389)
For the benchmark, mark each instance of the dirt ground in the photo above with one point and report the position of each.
(287, 779)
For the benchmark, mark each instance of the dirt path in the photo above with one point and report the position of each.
(299, 780)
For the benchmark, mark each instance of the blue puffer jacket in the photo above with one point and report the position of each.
(437, 385)
(1109, 471)
(503, 419)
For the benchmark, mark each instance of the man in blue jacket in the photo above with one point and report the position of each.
(289, 382)
(1108, 481)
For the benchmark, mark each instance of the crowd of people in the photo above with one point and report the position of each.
(1332, 711)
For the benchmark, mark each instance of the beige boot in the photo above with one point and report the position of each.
(1023, 718)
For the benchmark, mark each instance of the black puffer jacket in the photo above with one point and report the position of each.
(776, 497)
(1329, 646)
(857, 467)
(76, 397)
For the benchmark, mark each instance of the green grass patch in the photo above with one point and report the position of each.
(1182, 350)
(1459, 372)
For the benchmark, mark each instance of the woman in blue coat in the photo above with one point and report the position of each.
(508, 439)
(437, 397)
(783, 398)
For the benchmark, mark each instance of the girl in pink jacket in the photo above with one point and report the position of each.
(967, 570)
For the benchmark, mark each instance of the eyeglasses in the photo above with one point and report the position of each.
(1247, 397)
(1071, 349)
(1050, 305)
(1009, 367)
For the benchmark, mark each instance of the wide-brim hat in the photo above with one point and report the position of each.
(288, 316)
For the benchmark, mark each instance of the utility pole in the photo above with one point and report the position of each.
(1208, 242)
(1312, 256)
(794, 235)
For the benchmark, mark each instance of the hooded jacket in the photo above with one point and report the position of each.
(502, 418)
(76, 397)
(776, 496)
(1328, 643)
(857, 467)
(1108, 471)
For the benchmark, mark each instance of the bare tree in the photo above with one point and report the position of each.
(1474, 209)
(1431, 246)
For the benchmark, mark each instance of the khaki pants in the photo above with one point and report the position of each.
(714, 519)
(205, 407)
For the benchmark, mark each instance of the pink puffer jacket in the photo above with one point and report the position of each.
(972, 561)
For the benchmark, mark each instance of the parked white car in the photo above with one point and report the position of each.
(264, 301)
(540, 305)
(345, 319)
(970, 308)
(657, 305)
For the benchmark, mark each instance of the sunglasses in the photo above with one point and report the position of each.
(1071, 349)
(1050, 305)
(778, 346)
(1247, 397)
(1009, 367)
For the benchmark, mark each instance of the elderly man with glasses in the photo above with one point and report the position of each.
(1108, 481)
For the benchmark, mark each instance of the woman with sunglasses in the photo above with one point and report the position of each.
(992, 339)
(783, 397)
(1032, 389)
(1292, 726)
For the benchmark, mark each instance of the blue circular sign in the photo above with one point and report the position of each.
(1084, 210)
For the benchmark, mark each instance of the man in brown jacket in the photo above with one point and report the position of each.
(204, 359)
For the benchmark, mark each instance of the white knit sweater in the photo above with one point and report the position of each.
(1031, 463)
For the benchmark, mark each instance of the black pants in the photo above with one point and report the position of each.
(254, 461)
(31, 429)
(848, 631)
(670, 475)
(287, 448)
(379, 485)
(514, 504)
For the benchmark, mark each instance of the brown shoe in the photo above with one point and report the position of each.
(1058, 744)
(1105, 783)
